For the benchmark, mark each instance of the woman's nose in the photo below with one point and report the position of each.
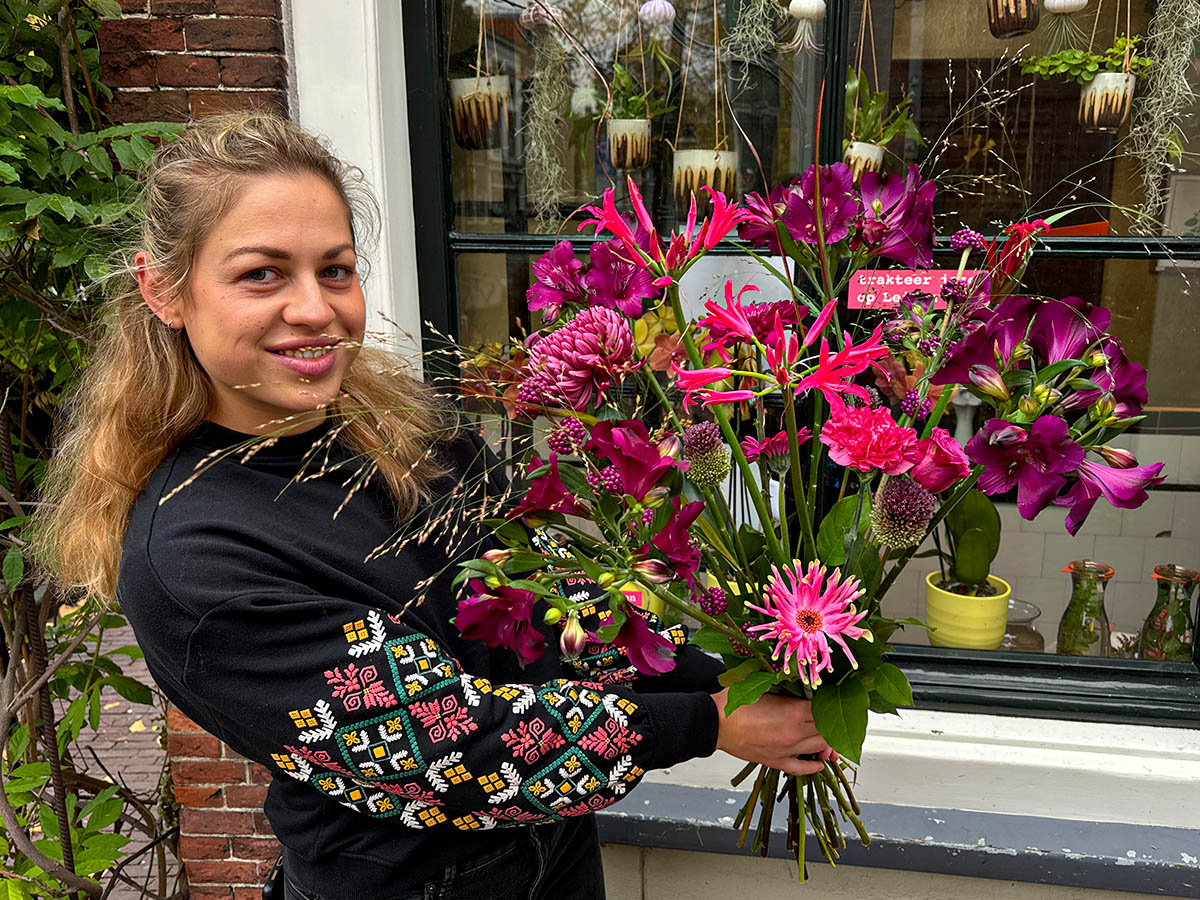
(308, 305)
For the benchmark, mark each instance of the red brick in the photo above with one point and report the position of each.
(245, 796)
(128, 70)
(134, 6)
(182, 745)
(181, 724)
(181, 7)
(250, 893)
(211, 892)
(215, 821)
(199, 797)
(210, 103)
(223, 871)
(194, 847)
(147, 106)
(234, 34)
(255, 848)
(261, 825)
(140, 34)
(259, 774)
(182, 70)
(249, 8)
(253, 71)
(220, 771)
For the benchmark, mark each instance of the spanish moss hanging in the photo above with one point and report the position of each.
(548, 93)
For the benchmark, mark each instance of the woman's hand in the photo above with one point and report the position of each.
(774, 730)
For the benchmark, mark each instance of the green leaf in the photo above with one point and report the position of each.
(109, 9)
(95, 267)
(840, 713)
(831, 537)
(738, 673)
(14, 521)
(100, 160)
(7, 173)
(892, 686)
(14, 889)
(13, 568)
(125, 155)
(708, 638)
(748, 690)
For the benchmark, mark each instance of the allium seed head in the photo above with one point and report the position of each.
(901, 513)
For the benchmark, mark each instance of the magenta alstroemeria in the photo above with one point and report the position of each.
(650, 652)
(675, 542)
(547, 493)
(1064, 329)
(1034, 460)
(1124, 380)
(898, 217)
(616, 282)
(839, 206)
(501, 617)
(1124, 488)
(556, 281)
(990, 343)
(759, 226)
(627, 445)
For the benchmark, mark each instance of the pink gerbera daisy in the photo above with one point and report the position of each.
(808, 613)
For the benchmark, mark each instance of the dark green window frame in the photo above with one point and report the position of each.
(1109, 690)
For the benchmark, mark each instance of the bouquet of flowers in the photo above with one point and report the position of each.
(655, 423)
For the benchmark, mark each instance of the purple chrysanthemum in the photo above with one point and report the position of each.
(901, 513)
(576, 364)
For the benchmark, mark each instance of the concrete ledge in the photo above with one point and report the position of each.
(1142, 859)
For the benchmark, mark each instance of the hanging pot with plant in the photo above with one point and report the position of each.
(629, 122)
(480, 108)
(965, 605)
(694, 170)
(1107, 80)
(870, 126)
(808, 16)
(1012, 18)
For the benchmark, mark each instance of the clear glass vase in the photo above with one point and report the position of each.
(1084, 629)
(1020, 632)
(1167, 632)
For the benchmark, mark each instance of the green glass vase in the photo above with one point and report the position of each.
(1084, 629)
(1167, 632)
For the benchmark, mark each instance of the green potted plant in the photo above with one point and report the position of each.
(1107, 79)
(966, 605)
(629, 120)
(870, 126)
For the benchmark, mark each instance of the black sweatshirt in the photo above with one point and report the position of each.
(397, 745)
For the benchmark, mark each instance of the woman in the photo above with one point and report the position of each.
(408, 761)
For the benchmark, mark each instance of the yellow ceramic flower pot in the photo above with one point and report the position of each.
(973, 623)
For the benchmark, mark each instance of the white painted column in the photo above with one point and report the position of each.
(347, 75)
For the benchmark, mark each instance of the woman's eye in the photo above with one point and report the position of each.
(338, 273)
(259, 276)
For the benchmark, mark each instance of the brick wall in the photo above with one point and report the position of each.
(225, 844)
(169, 60)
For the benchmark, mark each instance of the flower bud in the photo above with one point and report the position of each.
(497, 556)
(654, 571)
(1098, 359)
(1117, 458)
(1043, 393)
(1021, 351)
(1103, 408)
(656, 497)
(605, 579)
(492, 581)
(573, 638)
(670, 446)
(553, 614)
(1028, 406)
(988, 381)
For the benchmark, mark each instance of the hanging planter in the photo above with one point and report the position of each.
(1104, 101)
(479, 108)
(808, 15)
(862, 157)
(694, 169)
(1061, 30)
(1012, 18)
(629, 142)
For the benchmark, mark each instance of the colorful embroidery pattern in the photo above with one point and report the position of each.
(401, 733)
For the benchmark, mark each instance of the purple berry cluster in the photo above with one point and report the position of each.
(954, 291)
(965, 238)
(713, 601)
(607, 479)
(568, 437)
(913, 405)
(928, 346)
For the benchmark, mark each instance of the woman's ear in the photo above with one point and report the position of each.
(153, 286)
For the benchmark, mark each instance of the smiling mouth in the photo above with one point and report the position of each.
(311, 353)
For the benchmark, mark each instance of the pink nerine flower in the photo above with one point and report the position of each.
(938, 462)
(865, 439)
(808, 613)
(579, 362)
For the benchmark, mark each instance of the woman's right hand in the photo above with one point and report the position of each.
(774, 730)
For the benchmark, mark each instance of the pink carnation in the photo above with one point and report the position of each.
(938, 461)
(865, 439)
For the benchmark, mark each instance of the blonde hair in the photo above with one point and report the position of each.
(144, 391)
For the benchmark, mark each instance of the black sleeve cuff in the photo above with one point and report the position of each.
(683, 727)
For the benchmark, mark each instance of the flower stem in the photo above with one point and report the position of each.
(806, 525)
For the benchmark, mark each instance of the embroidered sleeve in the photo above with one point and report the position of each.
(384, 720)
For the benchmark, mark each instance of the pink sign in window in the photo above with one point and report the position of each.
(883, 288)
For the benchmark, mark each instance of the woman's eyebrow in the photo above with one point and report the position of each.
(276, 253)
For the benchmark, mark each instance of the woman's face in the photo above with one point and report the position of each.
(274, 310)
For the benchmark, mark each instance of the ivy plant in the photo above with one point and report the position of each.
(1082, 66)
